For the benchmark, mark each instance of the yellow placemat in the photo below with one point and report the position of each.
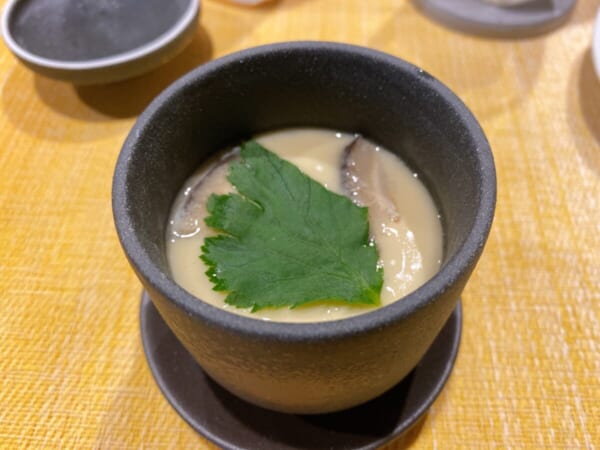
(72, 370)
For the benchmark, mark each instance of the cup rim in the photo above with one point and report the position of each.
(458, 264)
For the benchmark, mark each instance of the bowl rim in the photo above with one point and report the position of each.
(459, 263)
(118, 59)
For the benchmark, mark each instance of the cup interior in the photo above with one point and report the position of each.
(332, 86)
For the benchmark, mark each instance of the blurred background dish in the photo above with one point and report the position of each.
(499, 18)
(97, 41)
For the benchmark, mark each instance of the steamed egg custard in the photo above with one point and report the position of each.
(403, 220)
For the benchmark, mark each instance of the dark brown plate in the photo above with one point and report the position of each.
(232, 423)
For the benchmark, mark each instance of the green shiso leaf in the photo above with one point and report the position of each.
(286, 240)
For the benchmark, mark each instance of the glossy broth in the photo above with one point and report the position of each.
(410, 240)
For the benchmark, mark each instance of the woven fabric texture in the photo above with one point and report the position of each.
(72, 369)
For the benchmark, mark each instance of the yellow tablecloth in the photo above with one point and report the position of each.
(72, 369)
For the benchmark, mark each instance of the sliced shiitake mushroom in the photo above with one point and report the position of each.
(189, 214)
(364, 179)
(367, 182)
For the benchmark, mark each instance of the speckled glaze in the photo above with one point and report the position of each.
(97, 41)
(320, 367)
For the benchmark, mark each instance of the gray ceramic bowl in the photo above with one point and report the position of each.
(315, 367)
(94, 42)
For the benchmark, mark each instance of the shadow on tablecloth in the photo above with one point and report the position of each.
(130, 97)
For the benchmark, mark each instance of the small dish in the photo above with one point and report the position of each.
(489, 19)
(92, 42)
(232, 423)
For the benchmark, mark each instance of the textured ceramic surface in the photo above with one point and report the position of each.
(282, 366)
(91, 41)
(216, 414)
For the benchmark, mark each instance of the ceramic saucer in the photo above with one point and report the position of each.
(486, 18)
(232, 423)
(92, 41)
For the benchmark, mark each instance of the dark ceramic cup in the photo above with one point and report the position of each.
(314, 367)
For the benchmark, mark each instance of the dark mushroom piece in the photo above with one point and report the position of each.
(364, 180)
(190, 213)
